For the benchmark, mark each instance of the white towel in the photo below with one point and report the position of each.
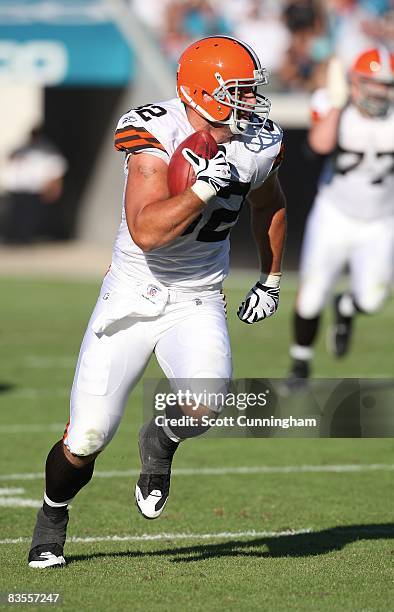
(144, 300)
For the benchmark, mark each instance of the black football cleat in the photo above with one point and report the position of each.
(46, 555)
(151, 494)
(48, 541)
(153, 486)
(340, 332)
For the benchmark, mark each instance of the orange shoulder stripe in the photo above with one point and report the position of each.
(132, 139)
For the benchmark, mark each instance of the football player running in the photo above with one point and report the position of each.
(352, 220)
(162, 294)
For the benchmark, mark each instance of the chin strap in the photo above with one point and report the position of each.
(237, 127)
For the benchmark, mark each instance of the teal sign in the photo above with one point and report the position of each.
(73, 42)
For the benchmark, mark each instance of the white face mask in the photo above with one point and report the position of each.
(229, 93)
(375, 98)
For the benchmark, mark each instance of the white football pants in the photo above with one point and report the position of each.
(190, 340)
(333, 240)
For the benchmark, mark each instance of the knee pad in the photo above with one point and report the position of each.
(309, 303)
(370, 303)
(85, 442)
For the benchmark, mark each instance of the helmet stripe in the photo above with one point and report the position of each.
(256, 60)
(385, 61)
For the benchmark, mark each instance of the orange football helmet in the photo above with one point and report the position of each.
(373, 75)
(214, 73)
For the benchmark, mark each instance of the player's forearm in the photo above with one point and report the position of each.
(269, 231)
(159, 223)
(323, 136)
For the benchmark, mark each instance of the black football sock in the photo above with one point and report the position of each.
(63, 480)
(156, 449)
(178, 432)
(49, 530)
(55, 514)
(165, 441)
(305, 332)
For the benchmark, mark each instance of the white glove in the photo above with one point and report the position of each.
(262, 300)
(337, 85)
(211, 174)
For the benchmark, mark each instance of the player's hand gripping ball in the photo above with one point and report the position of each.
(199, 164)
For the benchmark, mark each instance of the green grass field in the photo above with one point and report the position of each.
(227, 546)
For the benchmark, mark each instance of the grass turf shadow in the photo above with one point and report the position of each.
(6, 387)
(297, 545)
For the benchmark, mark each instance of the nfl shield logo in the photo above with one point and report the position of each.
(152, 291)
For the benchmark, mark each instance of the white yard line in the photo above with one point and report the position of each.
(222, 471)
(17, 502)
(223, 535)
(8, 499)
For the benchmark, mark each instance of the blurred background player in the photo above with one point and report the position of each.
(33, 178)
(352, 218)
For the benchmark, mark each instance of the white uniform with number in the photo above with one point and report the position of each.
(352, 220)
(200, 256)
(167, 301)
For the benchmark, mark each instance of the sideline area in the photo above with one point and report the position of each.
(74, 259)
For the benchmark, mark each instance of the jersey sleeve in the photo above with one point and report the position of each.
(132, 137)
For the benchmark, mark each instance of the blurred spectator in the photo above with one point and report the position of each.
(305, 23)
(354, 26)
(188, 20)
(33, 178)
(151, 12)
(293, 38)
(235, 10)
(201, 19)
(174, 38)
(381, 29)
(266, 33)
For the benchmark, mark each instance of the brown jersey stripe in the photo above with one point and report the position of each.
(130, 138)
(144, 134)
(131, 128)
(133, 147)
(151, 139)
(127, 139)
(132, 141)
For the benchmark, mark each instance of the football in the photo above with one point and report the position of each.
(180, 173)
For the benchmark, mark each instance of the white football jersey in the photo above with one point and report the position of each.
(359, 177)
(200, 256)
